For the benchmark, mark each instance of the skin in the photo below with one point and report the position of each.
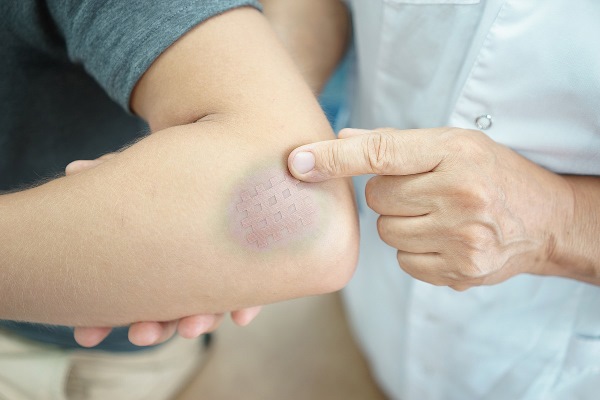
(452, 200)
(463, 210)
(315, 33)
(140, 236)
(149, 333)
(273, 209)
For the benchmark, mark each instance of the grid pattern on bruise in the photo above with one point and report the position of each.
(274, 209)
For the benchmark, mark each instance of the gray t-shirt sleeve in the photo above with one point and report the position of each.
(116, 41)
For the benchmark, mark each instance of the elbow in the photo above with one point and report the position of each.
(340, 267)
(339, 271)
(337, 251)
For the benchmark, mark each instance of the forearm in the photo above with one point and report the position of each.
(315, 33)
(576, 252)
(133, 240)
(151, 234)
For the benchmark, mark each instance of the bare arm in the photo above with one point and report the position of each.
(156, 232)
(315, 33)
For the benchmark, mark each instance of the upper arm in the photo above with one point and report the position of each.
(230, 64)
(315, 33)
(116, 41)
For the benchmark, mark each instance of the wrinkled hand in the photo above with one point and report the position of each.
(149, 333)
(461, 209)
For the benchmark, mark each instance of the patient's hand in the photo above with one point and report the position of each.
(149, 333)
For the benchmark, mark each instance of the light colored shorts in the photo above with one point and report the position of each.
(32, 371)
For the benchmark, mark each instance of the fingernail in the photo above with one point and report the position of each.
(303, 162)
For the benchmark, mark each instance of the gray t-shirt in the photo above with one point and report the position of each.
(67, 69)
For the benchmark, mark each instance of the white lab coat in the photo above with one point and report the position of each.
(534, 68)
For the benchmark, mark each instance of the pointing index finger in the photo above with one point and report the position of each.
(380, 152)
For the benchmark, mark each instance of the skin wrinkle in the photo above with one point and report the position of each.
(271, 209)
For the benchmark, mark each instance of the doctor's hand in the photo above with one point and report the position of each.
(154, 332)
(461, 209)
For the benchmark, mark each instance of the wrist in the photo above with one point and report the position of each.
(557, 232)
(572, 246)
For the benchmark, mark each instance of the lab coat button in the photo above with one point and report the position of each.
(483, 122)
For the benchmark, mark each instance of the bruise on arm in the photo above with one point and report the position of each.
(272, 209)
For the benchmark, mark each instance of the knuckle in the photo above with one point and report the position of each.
(473, 196)
(468, 144)
(460, 287)
(478, 237)
(472, 268)
(471, 241)
(472, 257)
(473, 146)
(379, 151)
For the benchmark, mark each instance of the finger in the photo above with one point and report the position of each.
(381, 152)
(429, 267)
(149, 333)
(81, 165)
(78, 166)
(245, 316)
(410, 234)
(433, 268)
(349, 132)
(195, 325)
(90, 337)
(168, 330)
(145, 333)
(216, 322)
(404, 196)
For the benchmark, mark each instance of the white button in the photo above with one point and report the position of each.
(483, 122)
